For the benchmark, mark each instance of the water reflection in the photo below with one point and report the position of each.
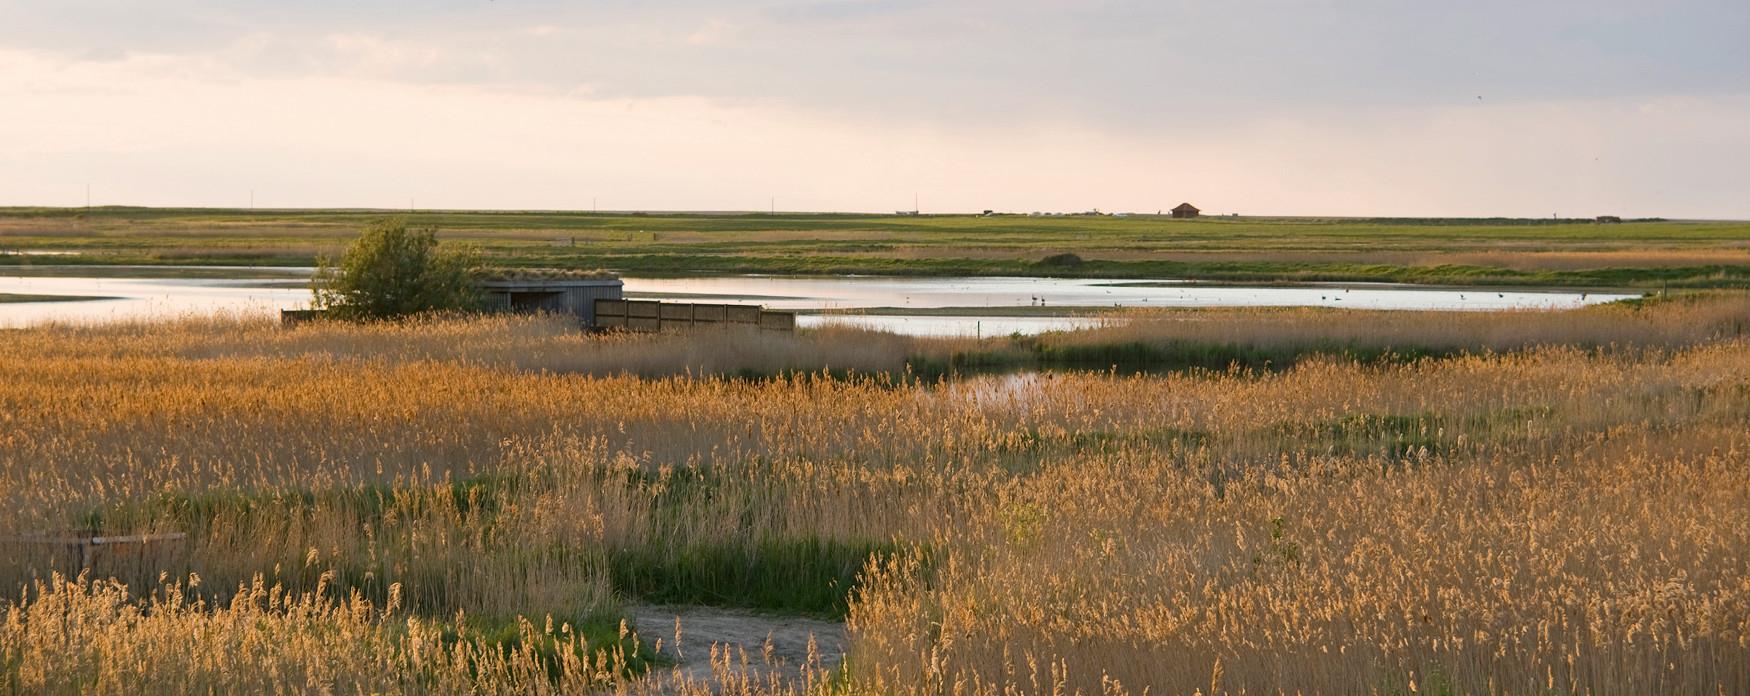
(143, 298)
(902, 305)
(977, 327)
(927, 293)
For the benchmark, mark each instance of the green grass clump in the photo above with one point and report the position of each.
(1391, 435)
(809, 575)
(595, 640)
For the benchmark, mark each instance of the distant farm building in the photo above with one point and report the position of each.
(1186, 210)
(1609, 219)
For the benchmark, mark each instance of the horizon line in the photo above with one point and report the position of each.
(1162, 213)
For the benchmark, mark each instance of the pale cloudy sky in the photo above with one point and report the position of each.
(1316, 107)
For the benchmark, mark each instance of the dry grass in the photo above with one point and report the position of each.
(1555, 519)
(1532, 259)
(1673, 324)
(536, 344)
(1606, 559)
(539, 344)
(1580, 260)
(84, 637)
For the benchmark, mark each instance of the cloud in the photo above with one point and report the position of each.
(1109, 59)
(1255, 105)
(715, 31)
(145, 131)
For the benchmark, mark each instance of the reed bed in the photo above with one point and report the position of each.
(1285, 334)
(526, 343)
(464, 506)
(1148, 340)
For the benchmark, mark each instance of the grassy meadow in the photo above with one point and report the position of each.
(1515, 252)
(1215, 501)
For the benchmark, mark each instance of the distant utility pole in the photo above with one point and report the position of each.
(409, 204)
(592, 207)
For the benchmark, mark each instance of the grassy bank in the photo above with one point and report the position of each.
(1264, 271)
(1266, 339)
(12, 297)
(1453, 252)
(1131, 341)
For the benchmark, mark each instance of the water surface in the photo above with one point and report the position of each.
(865, 292)
(918, 306)
(146, 298)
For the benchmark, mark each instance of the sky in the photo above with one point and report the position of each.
(1268, 107)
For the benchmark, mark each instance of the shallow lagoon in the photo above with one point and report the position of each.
(918, 306)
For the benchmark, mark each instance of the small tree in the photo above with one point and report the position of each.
(391, 271)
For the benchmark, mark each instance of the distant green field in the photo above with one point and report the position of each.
(1433, 251)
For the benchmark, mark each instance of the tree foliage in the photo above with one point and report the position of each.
(393, 271)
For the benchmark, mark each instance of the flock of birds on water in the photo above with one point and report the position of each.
(1040, 301)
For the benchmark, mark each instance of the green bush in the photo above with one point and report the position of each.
(392, 271)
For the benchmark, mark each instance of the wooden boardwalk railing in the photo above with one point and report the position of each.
(652, 315)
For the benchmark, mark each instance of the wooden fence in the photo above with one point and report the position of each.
(651, 315)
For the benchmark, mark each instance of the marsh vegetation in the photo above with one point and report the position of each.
(1300, 500)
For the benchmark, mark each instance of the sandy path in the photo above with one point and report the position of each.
(745, 635)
